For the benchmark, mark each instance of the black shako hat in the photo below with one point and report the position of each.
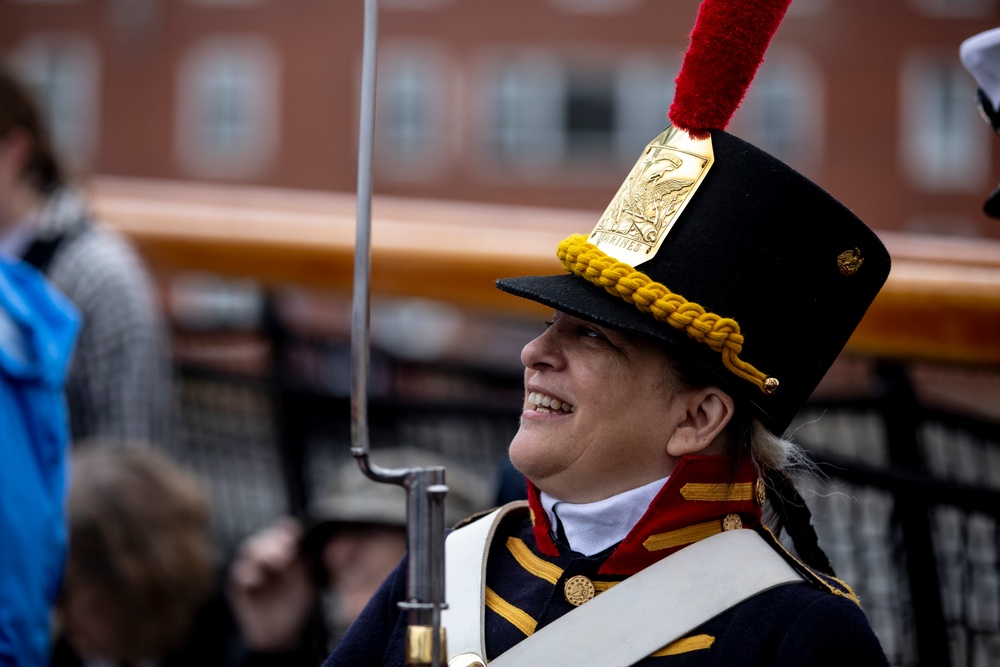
(737, 262)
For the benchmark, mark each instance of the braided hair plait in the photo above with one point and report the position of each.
(774, 458)
(792, 514)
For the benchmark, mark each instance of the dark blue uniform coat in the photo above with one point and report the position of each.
(816, 623)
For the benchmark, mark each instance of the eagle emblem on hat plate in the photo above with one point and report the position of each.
(652, 197)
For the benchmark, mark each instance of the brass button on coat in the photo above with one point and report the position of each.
(760, 491)
(578, 590)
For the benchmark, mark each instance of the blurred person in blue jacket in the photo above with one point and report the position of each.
(38, 327)
(119, 383)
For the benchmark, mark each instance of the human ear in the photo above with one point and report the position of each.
(700, 430)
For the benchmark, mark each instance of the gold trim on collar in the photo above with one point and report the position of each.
(682, 536)
(717, 492)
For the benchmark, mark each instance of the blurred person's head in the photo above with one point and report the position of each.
(358, 531)
(29, 169)
(141, 558)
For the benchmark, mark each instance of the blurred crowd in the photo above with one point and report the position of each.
(109, 556)
(144, 582)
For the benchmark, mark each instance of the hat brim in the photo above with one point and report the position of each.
(575, 296)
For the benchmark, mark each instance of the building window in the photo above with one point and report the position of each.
(943, 142)
(594, 6)
(235, 3)
(808, 7)
(539, 114)
(411, 113)
(589, 114)
(522, 110)
(416, 5)
(63, 71)
(783, 110)
(227, 116)
(956, 8)
(135, 17)
(644, 88)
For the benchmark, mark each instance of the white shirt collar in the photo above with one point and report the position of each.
(590, 528)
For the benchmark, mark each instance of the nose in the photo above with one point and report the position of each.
(542, 352)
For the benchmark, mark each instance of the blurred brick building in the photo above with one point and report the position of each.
(543, 102)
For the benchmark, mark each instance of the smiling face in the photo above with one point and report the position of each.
(600, 412)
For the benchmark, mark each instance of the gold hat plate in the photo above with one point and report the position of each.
(653, 196)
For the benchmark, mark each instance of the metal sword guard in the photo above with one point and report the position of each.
(426, 490)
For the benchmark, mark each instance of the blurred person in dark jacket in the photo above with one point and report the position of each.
(301, 584)
(119, 382)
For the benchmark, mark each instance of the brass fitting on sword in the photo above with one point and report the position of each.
(420, 646)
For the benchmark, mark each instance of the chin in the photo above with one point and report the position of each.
(526, 456)
(516, 454)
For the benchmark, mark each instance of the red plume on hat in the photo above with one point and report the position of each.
(727, 46)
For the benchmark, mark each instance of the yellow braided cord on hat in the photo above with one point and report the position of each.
(722, 334)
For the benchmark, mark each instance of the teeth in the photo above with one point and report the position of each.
(545, 403)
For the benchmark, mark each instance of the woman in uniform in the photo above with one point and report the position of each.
(689, 327)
